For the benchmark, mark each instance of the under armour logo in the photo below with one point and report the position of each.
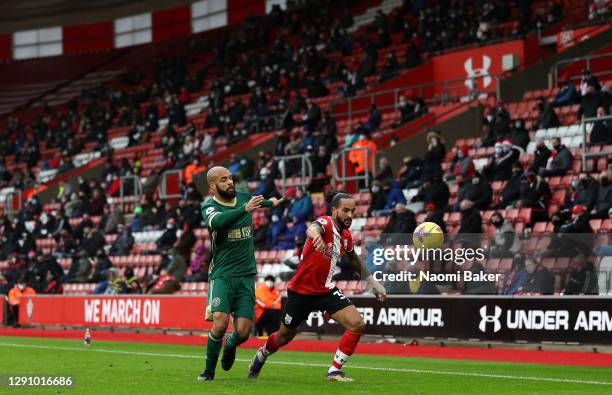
(473, 74)
(490, 318)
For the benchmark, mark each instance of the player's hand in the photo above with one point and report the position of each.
(379, 291)
(254, 203)
(318, 243)
(276, 201)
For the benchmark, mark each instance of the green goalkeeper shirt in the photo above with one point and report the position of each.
(231, 229)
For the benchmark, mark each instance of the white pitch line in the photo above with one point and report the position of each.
(419, 371)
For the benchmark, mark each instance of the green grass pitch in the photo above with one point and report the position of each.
(139, 368)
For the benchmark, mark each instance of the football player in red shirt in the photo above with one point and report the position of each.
(311, 287)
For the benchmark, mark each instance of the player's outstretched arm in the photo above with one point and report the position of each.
(218, 221)
(272, 202)
(314, 232)
(358, 265)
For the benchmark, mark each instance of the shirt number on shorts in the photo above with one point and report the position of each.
(339, 294)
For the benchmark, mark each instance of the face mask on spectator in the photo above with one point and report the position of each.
(475, 180)
(489, 118)
(375, 189)
(270, 284)
(575, 184)
(21, 286)
(275, 218)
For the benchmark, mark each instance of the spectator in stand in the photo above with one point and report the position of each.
(312, 116)
(540, 280)
(92, 241)
(123, 243)
(114, 284)
(379, 198)
(351, 137)
(478, 287)
(81, 268)
(479, 192)
(516, 278)
(534, 191)
(393, 195)
(132, 282)
(101, 264)
(267, 306)
(603, 199)
(434, 191)
(601, 134)
(168, 237)
(499, 166)
(471, 221)
(178, 266)
(583, 278)
(297, 231)
(462, 164)
(112, 218)
(547, 117)
(358, 156)
(512, 190)
(19, 290)
(436, 152)
(567, 94)
(497, 125)
(410, 173)
(301, 205)
(276, 229)
(506, 242)
(541, 155)
(402, 221)
(583, 191)
(590, 100)
(385, 172)
(435, 215)
(374, 119)
(390, 69)
(199, 264)
(588, 80)
(605, 249)
(577, 234)
(520, 135)
(560, 160)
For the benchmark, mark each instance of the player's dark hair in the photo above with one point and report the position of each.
(338, 198)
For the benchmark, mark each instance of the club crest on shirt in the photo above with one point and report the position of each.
(288, 319)
(210, 210)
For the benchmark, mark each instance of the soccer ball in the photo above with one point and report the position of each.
(428, 235)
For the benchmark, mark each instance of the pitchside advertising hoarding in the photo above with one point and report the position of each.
(468, 286)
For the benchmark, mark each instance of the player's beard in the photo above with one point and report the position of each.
(344, 223)
(227, 195)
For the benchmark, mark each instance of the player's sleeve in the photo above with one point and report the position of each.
(266, 203)
(216, 220)
(325, 223)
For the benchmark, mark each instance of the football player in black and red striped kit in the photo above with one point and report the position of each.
(311, 288)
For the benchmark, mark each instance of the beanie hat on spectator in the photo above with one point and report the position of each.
(578, 209)
(138, 211)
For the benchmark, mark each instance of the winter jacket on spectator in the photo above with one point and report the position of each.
(547, 117)
(394, 194)
(584, 194)
(402, 221)
(589, 104)
(583, 280)
(566, 96)
(302, 206)
(534, 191)
(436, 152)
(603, 199)
(434, 191)
(559, 162)
(123, 244)
(168, 238)
(471, 221)
(92, 242)
(541, 155)
(520, 135)
(178, 266)
(506, 242)
(479, 192)
(379, 198)
(514, 281)
(113, 220)
(540, 281)
(500, 168)
(512, 190)
(185, 243)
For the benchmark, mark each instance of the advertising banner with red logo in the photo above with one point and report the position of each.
(569, 38)
(176, 312)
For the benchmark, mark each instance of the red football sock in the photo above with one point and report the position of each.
(271, 345)
(348, 343)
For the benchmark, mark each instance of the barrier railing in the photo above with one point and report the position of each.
(451, 90)
(554, 69)
(305, 170)
(13, 203)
